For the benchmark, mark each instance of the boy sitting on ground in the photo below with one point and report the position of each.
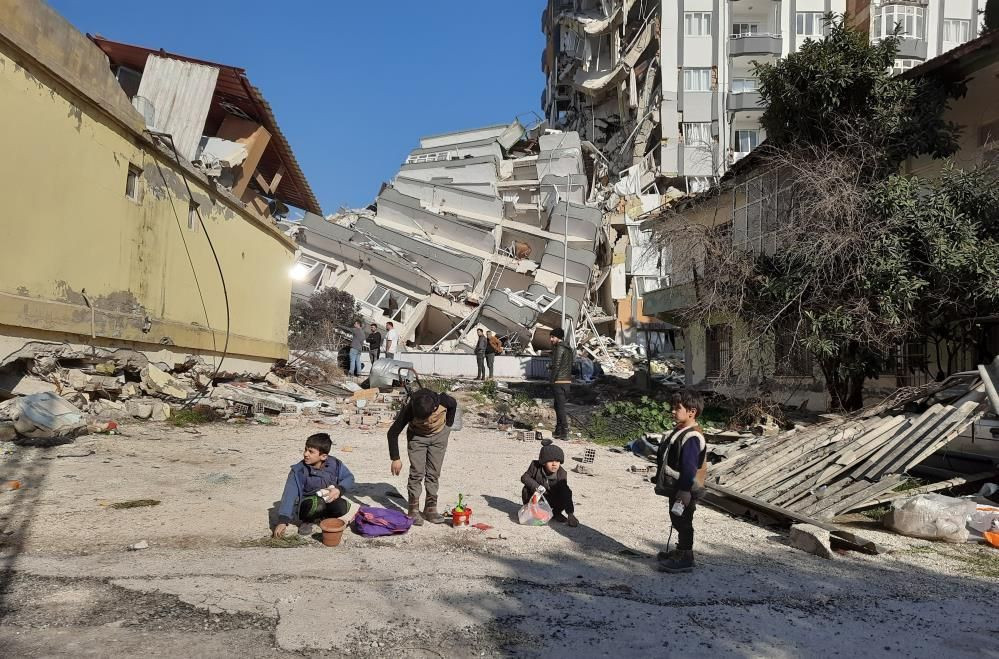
(545, 476)
(315, 486)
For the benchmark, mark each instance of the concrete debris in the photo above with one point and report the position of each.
(142, 544)
(139, 409)
(812, 539)
(155, 381)
(46, 415)
(159, 411)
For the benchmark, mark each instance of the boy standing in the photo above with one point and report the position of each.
(682, 462)
(429, 416)
(315, 486)
(545, 476)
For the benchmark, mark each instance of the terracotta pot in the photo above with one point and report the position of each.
(461, 518)
(332, 529)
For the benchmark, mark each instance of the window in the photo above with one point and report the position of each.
(439, 156)
(790, 358)
(719, 350)
(697, 23)
(903, 65)
(956, 31)
(648, 284)
(809, 23)
(192, 216)
(129, 80)
(743, 85)
(697, 134)
(745, 29)
(132, 183)
(697, 80)
(746, 140)
(388, 301)
(908, 18)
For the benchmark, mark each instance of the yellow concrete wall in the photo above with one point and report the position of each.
(67, 226)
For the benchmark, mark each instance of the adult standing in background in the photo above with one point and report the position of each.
(356, 345)
(494, 347)
(374, 344)
(481, 345)
(560, 377)
(391, 340)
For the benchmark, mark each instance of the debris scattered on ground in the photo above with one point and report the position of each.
(134, 503)
(142, 544)
(811, 539)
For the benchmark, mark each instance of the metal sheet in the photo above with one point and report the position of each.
(181, 93)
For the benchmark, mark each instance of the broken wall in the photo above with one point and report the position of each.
(104, 244)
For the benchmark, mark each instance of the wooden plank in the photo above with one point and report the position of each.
(775, 463)
(829, 500)
(875, 489)
(945, 439)
(864, 447)
(925, 489)
(926, 420)
(845, 538)
(929, 440)
(813, 462)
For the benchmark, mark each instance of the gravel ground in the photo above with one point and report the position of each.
(205, 586)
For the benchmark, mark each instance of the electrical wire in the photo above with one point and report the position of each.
(218, 265)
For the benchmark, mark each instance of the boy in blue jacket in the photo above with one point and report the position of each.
(682, 461)
(315, 486)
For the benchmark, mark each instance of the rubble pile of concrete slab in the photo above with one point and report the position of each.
(626, 359)
(478, 229)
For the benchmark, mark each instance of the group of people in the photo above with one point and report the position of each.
(316, 487)
(372, 342)
(487, 346)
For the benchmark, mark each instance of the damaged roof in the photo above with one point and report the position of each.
(233, 87)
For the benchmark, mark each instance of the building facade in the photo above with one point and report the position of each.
(667, 87)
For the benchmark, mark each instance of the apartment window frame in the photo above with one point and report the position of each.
(437, 156)
(809, 24)
(744, 85)
(736, 143)
(386, 293)
(697, 79)
(697, 133)
(911, 18)
(718, 351)
(132, 177)
(959, 27)
(701, 20)
(740, 30)
(904, 64)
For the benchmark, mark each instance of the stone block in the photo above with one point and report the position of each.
(812, 539)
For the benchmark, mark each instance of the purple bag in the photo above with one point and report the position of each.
(373, 522)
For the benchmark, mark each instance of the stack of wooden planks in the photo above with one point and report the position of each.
(833, 468)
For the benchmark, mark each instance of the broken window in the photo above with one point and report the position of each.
(719, 350)
(388, 301)
(132, 182)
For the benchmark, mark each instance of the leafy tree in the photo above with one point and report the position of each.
(319, 323)
(862, 258)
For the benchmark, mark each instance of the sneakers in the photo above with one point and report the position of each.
(684, 562)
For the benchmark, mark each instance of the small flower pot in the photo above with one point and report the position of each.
(332, 529)
(461, 518)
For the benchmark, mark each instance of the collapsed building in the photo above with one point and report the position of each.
(484, 228)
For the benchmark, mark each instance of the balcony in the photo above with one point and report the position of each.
(745, 102)
(669, 300)
(910, 48)
(754, 44)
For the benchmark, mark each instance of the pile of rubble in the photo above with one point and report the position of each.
(61, 391)
(627, 359)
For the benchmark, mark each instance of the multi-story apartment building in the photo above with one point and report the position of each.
(667, 86)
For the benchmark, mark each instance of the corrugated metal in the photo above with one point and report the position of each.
(181, 94)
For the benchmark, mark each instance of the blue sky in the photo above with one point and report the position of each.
(353, 84)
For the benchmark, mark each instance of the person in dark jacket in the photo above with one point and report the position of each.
(428, 418)
(481, 346)
(560, 378)
(682, 468)
(546, 477)
(374, 344)
(315, 486)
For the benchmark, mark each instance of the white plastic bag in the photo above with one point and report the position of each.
(535, 512)
(931, 516)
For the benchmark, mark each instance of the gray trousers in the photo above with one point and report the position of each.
(426, 456)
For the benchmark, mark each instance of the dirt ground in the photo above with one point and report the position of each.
(207, 586)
